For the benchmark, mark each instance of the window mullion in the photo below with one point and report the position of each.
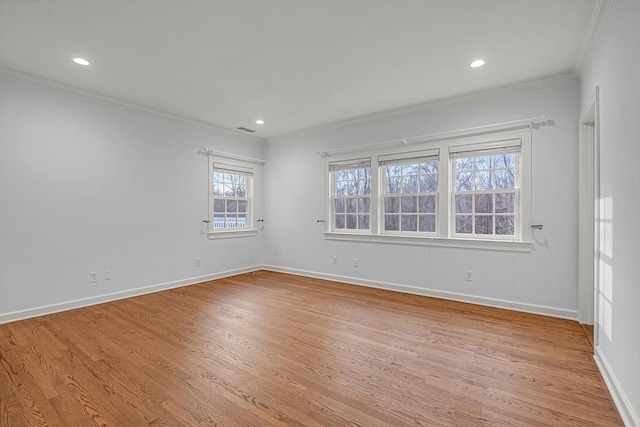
(375, 200)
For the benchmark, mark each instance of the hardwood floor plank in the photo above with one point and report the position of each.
(270, 349)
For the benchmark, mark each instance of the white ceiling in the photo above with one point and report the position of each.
(298, 64)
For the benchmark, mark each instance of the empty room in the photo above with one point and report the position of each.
(319, 213)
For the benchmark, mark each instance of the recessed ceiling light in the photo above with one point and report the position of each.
(477, 63)
(80, 61)
(260, 122)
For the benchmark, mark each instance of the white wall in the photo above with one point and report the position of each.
(614, 66)
(85, 186)
(544, 280)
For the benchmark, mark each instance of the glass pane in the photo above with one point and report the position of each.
(364, 173)
(428, 183)
(218, 221)
(363, 222)
(393, 171)
(217, 177)
(352, 205)
(483, 180)
(483, 162)
(464, 224)
(352, 174)
(463, 203)
(339, 206)
(393, 185)
(464, 181)
(229, 191)
(391, 204)
(218, 189)
(232, 206)
(352, 187)
(242, 221)
(484, 224)
(409, 223)
(484, 203)
(392, 222)
(505, 225)
(429, 168)
(241, 191)
(341, 188)
(242, 205)
(363, 205)
(504, 161)
(505, 178)
(365, 186)
(463, 165)
(339, 221)
(341, 175)
(408, 204)
(427, 204)
(231, 221)
(409, 184)
(218, 205)
(427, 223)
(410, 170)
(352, 222)
(505, 203)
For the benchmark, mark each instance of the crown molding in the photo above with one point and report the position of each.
(546, 83)
(599, 16)
(116, 102)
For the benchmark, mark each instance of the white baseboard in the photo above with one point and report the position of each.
(627, 412)
(99, 299)
(454, 296)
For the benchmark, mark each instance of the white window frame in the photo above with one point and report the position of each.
(444, 236)
(349, 164)
(401, 159)
(241, 168)
(511, 146)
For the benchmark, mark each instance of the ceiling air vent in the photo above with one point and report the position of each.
(247, 129)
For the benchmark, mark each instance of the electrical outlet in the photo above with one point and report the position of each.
(93, 277)
(107, 275)
(468, 276)
(197, 262)
(355, 262)
(335, 260)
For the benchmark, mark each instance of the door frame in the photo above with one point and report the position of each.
(589, 212)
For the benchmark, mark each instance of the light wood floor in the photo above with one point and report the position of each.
(272, 349)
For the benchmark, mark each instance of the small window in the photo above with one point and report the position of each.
(351, 195)
(230, 198)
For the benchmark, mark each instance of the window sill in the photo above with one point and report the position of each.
(230, 234)
(497, 245)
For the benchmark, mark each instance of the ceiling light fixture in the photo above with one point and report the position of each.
(81, 61)
(260, 122)
(477, 63)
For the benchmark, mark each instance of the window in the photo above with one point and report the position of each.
(351, 194)
(410, 192)
(477, 197)
(485, 192)
(230, 199)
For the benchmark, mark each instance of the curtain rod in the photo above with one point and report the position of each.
(531, 123)
(210, 152)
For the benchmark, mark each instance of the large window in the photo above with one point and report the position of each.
(485, 192)
(460, 192)
(230, 199)
(410, 192)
